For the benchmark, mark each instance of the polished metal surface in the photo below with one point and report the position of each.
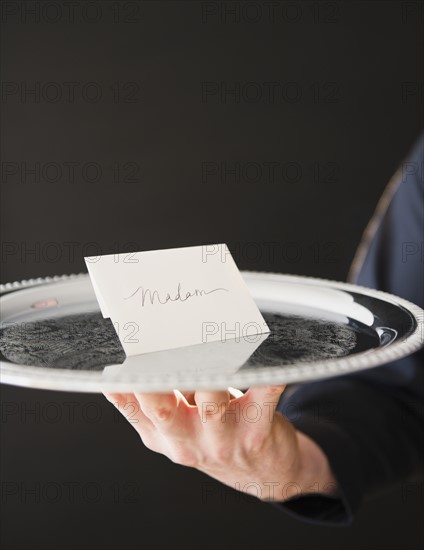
(53, 336)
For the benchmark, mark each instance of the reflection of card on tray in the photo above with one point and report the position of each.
(167, 299)
(214, 357)
(319, 329)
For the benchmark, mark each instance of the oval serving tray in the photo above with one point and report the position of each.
(53, 336)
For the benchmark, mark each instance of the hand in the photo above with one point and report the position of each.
(242, 442)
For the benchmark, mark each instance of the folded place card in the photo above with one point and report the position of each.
(166, 299)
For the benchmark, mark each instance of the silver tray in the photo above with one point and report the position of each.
(53, 336)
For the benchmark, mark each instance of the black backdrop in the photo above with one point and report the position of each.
(271, 126)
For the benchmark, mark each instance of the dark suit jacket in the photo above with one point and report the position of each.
(373, 428)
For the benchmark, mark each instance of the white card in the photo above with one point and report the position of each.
(166, 299)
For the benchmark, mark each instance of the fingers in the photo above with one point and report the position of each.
(158, 407)
(129, 407)
(235, 393)
(221, 428)
(265, 400)
(221, 424)
(169, 413)
(189, 396)
(176, 425)
(212, 405)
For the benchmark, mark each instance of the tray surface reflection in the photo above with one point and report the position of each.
(317, 329)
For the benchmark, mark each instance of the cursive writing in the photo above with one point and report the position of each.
(153, 297)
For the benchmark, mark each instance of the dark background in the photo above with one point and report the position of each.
(135, 159)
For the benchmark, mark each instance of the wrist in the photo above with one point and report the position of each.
(304, 470)
(314, 471)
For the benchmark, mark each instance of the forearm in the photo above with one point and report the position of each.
(370, 433)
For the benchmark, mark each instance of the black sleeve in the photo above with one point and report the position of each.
(370, 425)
